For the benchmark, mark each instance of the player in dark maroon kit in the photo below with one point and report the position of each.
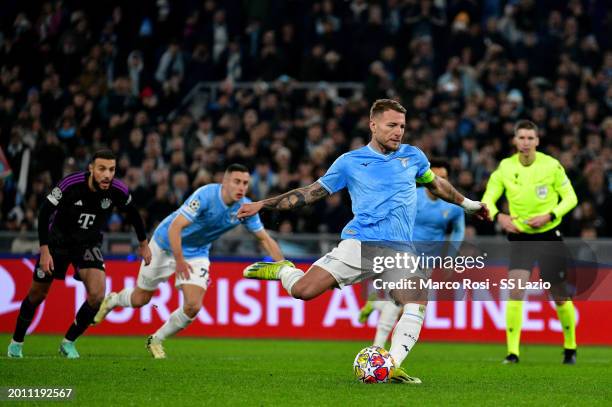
(70, 223)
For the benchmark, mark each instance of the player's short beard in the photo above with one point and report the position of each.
(385, 148)
(96, 184)
(391, 150)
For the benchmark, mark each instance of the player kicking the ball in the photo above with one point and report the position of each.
(434, 217)
(381, 178)
(182, 242)
(70, 221)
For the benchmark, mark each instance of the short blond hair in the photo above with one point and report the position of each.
(382, 105)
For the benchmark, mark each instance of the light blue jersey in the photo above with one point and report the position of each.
(383, 191)
(434, 218)
(210, 217)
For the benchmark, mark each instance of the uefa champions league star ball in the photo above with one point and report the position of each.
(373, 365)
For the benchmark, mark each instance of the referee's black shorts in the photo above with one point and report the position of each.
(547, 248)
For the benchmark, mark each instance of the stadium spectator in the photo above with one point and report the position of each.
(75, 77)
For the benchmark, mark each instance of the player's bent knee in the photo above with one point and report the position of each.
(314, 283)
(304, 292)
(37, 295)
(403, 297)
(140, 297)
(191, 309)
(95, 299)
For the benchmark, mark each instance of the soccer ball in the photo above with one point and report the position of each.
(373, 365)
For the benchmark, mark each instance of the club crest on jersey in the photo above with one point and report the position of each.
(404, 161)
(445, 214)
(542, 191)
(106, 203)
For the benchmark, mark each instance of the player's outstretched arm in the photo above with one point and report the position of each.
(293, 199)
(134, 218)
(145, 252)
(269, 245)
(174, 236)
(443, 189)
(44, 215)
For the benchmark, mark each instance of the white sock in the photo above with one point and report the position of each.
(122, 299)
(406, 332)
(379, 305)
(178, 320)
(289, 276)
(388, 315)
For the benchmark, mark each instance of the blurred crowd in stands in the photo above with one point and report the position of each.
(76, 76)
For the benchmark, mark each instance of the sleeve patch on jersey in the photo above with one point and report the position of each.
(55, 196)
(193, 207)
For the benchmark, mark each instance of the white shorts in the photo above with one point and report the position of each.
(346, 265)
(163, 265)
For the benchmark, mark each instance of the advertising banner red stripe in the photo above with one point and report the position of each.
(241, 308)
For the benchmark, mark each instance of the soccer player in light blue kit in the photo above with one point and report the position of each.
(433, 219)
(381, 179)
(182, 242)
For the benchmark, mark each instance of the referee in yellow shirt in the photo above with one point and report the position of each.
(539, 194)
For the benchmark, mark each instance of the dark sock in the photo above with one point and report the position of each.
(24, 319)
(83, 318)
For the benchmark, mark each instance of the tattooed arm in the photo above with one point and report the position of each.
(443, 189)
(293, 199)
(296, 198)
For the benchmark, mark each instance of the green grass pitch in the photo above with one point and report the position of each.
(119, 371)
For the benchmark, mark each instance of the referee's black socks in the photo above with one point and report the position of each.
(26, 314)
(82, 321)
